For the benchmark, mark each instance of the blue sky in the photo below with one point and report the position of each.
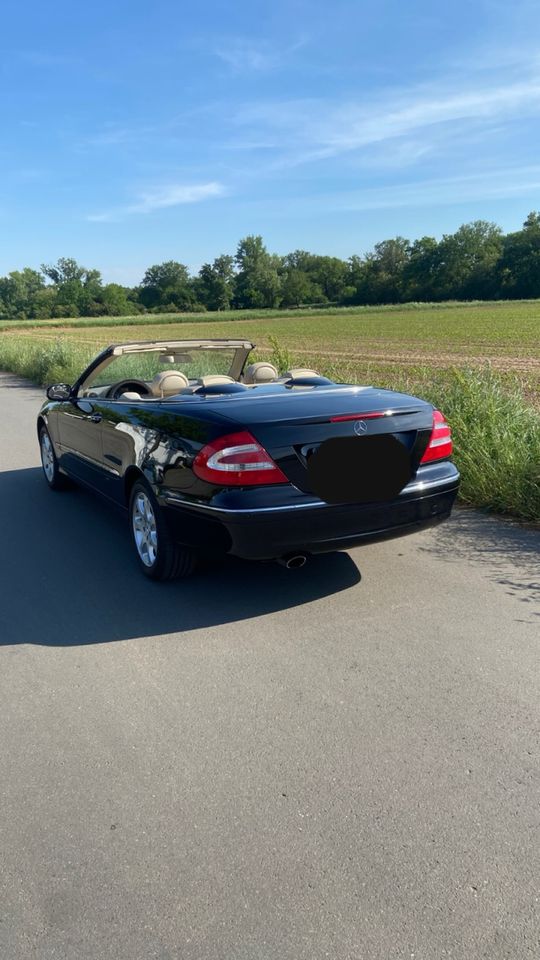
(134, 132)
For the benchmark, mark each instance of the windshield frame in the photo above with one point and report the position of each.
(242, 349)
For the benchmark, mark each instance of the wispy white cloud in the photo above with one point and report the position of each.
(175, 127)
(244, 53)
(116, 135)
(456, 125)
(493, 57)
(169, 195)
(316, 129)
(501, 183)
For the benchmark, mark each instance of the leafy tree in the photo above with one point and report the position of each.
(64, 271)
(68, 299)
(532, 221)
(420, 271)
(215, 283)
(356, 279)
(89, 294)
(330, 274)
(519, 266)
(43, 303)
(115, 301)
(164, 276)
(296, 288)
(257, 281)
(380, 276)
(387, 265)
(18, 292)
(79, 290)
(466, 260)
(167, 283)
(298, 260)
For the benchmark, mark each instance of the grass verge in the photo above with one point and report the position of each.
(496, 433)
(496, 440)
(52, 361)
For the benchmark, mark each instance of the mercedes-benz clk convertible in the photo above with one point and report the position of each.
(211, 454)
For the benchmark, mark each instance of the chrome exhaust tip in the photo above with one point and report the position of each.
(293, 561)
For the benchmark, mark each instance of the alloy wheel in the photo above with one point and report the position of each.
(145, 529)
(47, 456)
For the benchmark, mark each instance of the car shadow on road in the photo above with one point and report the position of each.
(68, 575)
(508, 551)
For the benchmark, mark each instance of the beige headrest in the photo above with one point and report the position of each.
(130, 395)
(261, 372)
(297, 372)
(212, 378)
(168, 383)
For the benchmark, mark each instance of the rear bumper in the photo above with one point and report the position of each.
(303, 524)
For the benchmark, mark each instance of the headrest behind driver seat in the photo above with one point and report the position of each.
(211, 378)
(168, 383)
(296, 373)
(130, 395)
(261, 372)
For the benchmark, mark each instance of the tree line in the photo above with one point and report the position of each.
(477, 262)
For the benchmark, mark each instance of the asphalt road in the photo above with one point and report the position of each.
(257, 764)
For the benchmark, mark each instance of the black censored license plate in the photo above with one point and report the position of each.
(359, 469)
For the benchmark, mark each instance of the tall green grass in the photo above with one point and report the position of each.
(496, 440)
(496, 434)
(53, 361)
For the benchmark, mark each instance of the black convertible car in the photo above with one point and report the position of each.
(209, 454)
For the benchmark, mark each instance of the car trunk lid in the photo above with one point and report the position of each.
(344, 444)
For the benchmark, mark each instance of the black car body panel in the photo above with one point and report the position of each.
(106, 443)
(261, 531)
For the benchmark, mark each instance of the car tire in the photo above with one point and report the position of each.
(51, 471)
(159, 557)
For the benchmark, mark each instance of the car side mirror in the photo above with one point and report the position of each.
(59, 391)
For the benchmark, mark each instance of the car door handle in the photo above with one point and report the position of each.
(95, 418)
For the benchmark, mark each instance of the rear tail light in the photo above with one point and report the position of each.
(236, 460)
(440, 441)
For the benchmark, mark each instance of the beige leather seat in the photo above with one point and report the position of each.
(213, 378)
(208, 381)
(261, 372)
(130, 395)
(168, 383)
(295, 372)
